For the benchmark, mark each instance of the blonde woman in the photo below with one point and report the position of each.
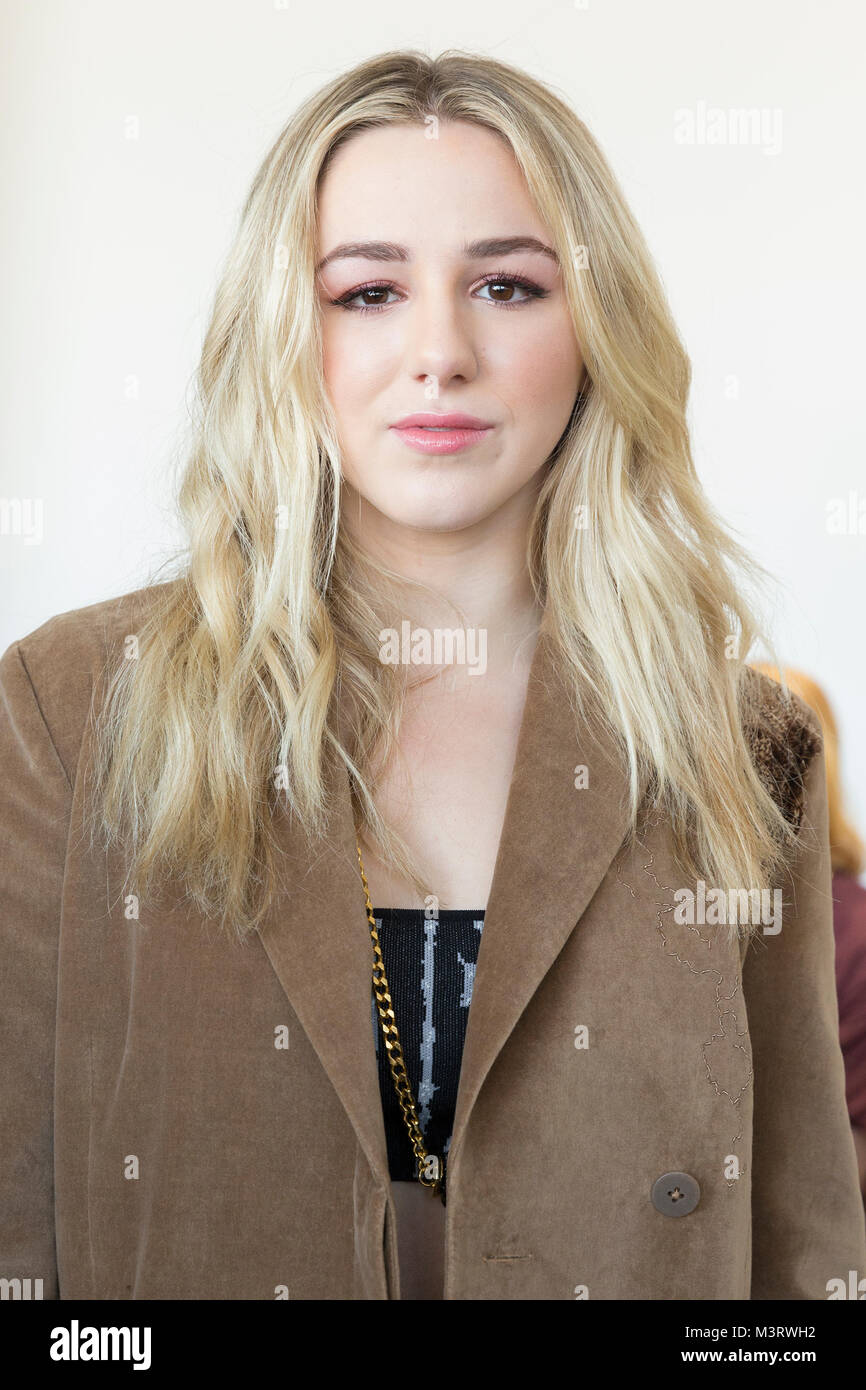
(441, 735)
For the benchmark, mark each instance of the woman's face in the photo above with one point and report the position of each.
(432, 321)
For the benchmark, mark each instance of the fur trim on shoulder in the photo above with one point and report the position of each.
(783, 737)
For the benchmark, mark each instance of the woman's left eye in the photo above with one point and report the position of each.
(506, 285)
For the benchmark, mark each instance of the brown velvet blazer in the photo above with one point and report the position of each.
(157, 1142)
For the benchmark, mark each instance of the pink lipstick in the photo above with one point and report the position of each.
(441, 434)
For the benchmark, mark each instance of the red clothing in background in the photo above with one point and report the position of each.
(849, 923)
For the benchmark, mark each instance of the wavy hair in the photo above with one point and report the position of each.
(263, 654)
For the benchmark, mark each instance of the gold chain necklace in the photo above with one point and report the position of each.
(431, 1168)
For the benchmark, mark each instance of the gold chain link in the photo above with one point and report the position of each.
(431, 1169)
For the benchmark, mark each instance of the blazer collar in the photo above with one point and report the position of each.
(556, 845)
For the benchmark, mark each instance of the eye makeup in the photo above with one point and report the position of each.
(508, 279)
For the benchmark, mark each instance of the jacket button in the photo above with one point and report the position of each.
(675, 1194)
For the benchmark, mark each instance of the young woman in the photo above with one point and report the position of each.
(425, 836)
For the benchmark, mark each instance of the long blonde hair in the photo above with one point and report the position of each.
(263, 653)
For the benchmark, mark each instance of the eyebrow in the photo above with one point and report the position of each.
(475, 250)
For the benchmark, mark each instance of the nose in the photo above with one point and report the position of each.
(440, 338)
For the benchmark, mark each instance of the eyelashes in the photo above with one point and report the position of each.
(508, 279)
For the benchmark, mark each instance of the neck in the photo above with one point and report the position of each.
(480, 568)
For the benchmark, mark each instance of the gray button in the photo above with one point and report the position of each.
(675, 1194)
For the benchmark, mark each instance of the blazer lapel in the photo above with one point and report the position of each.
(318, 939)
(557, 842)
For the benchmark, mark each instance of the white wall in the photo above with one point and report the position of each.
(111, 247)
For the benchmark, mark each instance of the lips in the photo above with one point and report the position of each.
(430, 420)
(429, 433)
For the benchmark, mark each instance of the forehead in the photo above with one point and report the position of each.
(394, 183)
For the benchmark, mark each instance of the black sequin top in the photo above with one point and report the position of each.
(430, 965)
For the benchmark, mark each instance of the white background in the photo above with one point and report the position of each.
(111, 247)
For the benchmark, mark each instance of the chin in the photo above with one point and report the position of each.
(432, 519)
(431, 511)
(448, 521)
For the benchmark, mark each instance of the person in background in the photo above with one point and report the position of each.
(847, 857)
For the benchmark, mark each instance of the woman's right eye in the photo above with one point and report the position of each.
(346, 301)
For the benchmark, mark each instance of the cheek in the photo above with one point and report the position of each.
(354, 364)
(541, 370)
